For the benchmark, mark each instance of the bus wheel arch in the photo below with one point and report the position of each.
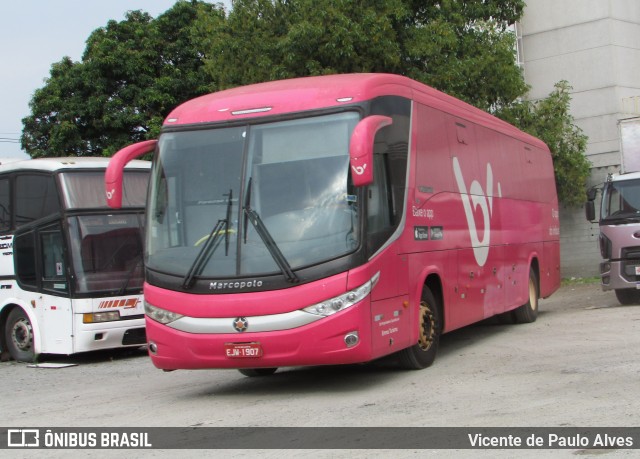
(19, 336)
(423, 353)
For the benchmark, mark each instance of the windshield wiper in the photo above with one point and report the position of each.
(252, 216)
(210, 246)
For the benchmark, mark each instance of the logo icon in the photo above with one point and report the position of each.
(478, 198)
(359, 169)
(21, 438)
(240, 324)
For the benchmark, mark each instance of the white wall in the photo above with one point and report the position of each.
(595, 46)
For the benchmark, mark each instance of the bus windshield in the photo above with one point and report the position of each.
(621, 200)
(253, 199)
(107, 252)
(106, 249)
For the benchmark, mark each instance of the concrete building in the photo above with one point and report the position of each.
(595, 46)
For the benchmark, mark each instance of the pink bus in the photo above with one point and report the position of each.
(337, 219)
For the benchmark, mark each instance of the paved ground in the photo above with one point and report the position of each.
(577, 366)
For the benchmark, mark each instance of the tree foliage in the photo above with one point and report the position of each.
(132, 73)
(550, 120)
(459, 46)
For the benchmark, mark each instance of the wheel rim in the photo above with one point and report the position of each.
(533, 295)
(22, 334)
(427, 327)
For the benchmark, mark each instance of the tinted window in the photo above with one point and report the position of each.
(385, 198)
(24, 249)
(36, 197)
(5, 205)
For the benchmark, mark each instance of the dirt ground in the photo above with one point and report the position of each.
(576, 366)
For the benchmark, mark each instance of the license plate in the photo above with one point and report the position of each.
(243, 350)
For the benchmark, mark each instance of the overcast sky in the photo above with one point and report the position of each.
(36, 33)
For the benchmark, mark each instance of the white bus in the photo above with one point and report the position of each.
(71, 268)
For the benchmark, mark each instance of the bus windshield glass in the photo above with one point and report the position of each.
(107, 252)
(621, 200)
(252, 200)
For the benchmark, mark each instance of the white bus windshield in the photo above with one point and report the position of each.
(107, 252)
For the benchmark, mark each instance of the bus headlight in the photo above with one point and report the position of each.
(160, 315)
(342, 302)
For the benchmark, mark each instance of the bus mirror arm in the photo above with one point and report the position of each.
(361, 148)
(114, 173)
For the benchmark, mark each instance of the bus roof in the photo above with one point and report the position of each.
(66, 163)
(309, 93)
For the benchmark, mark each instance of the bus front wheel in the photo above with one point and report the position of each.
(628, 296)
(19, 336)
(422, 354)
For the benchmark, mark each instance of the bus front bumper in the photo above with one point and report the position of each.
(338, 339)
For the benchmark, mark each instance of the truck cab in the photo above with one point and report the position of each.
(619, 237)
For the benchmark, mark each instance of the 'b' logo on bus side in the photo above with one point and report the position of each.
(479, 199)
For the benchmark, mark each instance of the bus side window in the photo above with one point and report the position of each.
(36, 197)
(24, 249)
(386, 194)
(5, 205)
(53, 265)
(379, 217)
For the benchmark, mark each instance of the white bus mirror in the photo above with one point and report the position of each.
(114, 172)
(361, 148)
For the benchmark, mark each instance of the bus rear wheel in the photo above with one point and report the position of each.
(423, 353)
(19, 336)
(253, 372)
(528, 312)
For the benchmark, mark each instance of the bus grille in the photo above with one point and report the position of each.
(134, 336)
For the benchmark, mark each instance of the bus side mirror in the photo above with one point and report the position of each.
(361, 148)
(114, 172)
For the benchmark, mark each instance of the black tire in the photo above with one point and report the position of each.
(528, 312)
(253, 372)
(628, 296)
(19, 336)
(506, 318)
(423, 353)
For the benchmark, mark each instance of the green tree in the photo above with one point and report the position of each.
(132, 73)
(462, 47)
(550, 120)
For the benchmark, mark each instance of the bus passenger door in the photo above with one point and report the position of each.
(41, 270)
